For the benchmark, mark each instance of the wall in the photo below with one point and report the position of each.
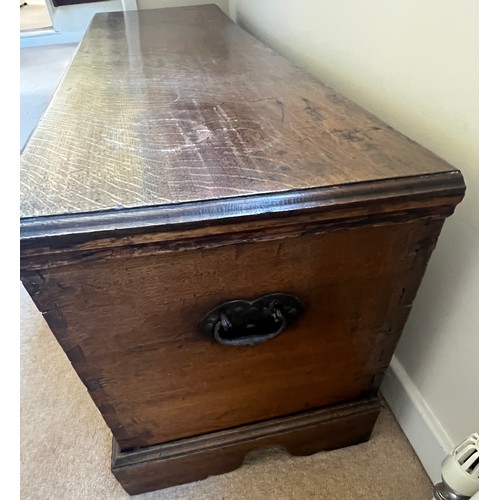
(414, 64)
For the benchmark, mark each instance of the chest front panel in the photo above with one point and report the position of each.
(129, 325)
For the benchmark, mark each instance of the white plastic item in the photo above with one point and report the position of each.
(460, 469)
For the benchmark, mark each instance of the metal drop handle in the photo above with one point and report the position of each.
(244, 323)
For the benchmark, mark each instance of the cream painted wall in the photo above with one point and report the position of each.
(414, 64)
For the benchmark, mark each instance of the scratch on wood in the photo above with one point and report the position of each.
(348, 135)
(55, 318)
(313, 111)
(282, 107)
(278, 249)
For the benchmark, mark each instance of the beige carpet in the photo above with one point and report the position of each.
(65, 447)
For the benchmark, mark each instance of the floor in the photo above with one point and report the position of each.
(65, 445)
(34, 16)
(41, 69)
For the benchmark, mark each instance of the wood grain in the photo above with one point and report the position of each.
(196, 458)
(181, 105)
(129, 326)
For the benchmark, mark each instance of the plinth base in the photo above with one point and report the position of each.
(196, 458)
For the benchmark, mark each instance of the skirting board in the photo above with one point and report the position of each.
(421, 427)
(49, 37)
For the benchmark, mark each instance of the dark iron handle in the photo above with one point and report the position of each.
(252, 339)
(242, 323)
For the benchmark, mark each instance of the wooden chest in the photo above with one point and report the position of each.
(226, 250)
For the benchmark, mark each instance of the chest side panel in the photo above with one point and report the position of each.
(129, 326)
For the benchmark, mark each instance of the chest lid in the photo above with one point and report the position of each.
(180, 109)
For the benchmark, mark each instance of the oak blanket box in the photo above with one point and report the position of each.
(226, 250)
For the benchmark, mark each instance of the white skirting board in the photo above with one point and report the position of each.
(49, 37)
(423, 430)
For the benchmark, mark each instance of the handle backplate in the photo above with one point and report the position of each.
(242, 322)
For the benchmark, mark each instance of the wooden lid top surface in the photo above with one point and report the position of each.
(167, 106)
